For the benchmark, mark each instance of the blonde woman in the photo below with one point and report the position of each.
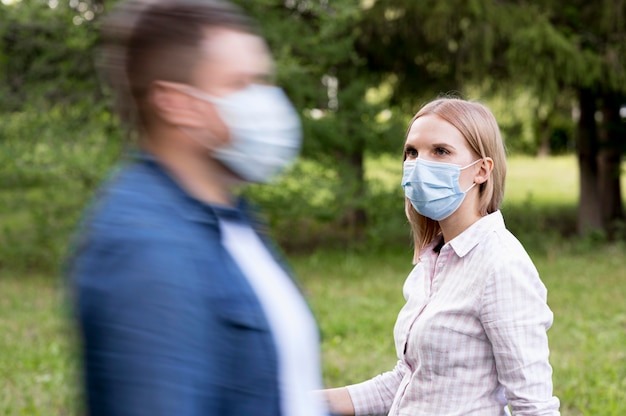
(471, 338)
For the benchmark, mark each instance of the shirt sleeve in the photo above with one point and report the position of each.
(375, 396)
(144, 331)
(516, 318)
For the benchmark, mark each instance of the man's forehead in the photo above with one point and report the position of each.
(228, 44)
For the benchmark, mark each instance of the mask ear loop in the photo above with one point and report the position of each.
(472, 164)
(470, 188)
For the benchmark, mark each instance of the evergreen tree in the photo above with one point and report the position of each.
(323, 66)
(581, 46)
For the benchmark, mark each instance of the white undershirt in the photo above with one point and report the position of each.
(292, 324)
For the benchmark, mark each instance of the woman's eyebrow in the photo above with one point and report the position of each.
(446, 145)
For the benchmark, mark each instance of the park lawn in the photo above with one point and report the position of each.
(356, 297)
(38, 359)
(544, 181)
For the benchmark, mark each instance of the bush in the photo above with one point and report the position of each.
(306, 209)
(52, 162)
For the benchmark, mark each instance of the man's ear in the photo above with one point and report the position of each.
(174, 107)
(486, 166)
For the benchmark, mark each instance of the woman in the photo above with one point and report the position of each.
(472, 334)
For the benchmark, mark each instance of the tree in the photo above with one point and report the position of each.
(47, 53)
(582, 47)
(57, 136)
(556, 50)
(324, 71)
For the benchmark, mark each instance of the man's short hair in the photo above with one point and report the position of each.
(149, 40)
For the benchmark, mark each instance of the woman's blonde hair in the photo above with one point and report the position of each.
(479, 127)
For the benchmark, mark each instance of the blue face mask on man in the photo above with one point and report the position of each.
(433, 187)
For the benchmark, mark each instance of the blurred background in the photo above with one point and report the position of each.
(552, 71)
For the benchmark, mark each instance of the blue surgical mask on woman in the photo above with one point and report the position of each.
(433, 187)
(265, 131)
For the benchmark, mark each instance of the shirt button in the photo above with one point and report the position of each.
(440, 265)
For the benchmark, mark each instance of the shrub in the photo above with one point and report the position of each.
(52, 162)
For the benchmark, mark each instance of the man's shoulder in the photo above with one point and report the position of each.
(135, 216)
(138, 182)
(132, 201)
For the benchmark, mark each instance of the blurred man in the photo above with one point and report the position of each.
(183, 307)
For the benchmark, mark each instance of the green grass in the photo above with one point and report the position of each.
(38, 360)
(543, 181)
(587, 295)
(356, 296)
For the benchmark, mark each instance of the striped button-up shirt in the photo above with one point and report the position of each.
(472, 334)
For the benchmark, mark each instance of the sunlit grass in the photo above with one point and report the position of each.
(542, 180)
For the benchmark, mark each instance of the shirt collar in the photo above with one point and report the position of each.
(475, 233)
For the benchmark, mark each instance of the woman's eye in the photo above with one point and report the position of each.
(441, 151)
(410, 153)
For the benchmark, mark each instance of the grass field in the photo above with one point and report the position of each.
(356, 296)
(38, 361)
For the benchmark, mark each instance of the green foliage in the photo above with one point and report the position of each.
(355, 70)
(324, 74)
(305, 208)
(599, 34)
(52, 162)
(57, 135)
(46, 56)
(345, 106)
(555, 60)
(300, 206)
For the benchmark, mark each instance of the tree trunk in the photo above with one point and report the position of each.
(355, 218)
(609, 159)
(589, 214)
(358, 163)
(543, 130)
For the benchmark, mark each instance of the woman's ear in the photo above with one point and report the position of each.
(484, 171)
(173, 106)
